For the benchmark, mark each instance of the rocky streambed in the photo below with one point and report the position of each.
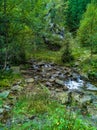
(54, 76)
(65, 84)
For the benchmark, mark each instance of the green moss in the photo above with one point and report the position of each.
(7, 78)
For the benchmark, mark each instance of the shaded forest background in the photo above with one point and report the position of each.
(32, 25)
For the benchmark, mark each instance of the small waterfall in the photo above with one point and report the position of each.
(74, 84)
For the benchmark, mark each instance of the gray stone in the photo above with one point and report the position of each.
(51, 88)
(58, 90)
(81, 99)
(91, 87)
(29, 80)
(16, 88)
(52, 80)
(60, 82)
(65, 88)
(85, 99)
(94, 118)
(19, 82)
(62, 76)
(1, 110)
(41, 63)
(47, 74)
(4, 94)
(8, 108)
(48, 84)
(55, 75)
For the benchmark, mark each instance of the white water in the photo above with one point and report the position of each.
(78, 84)
(71, 84)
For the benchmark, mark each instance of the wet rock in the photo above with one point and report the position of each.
(35, 67)
(65, 88)
(41, 63)
(91, 87)
(48, 84)
(51, 79)
(49, 69)
(43, 71)
(48, 74)
(76, 64)
(52, 88)
(62, 77)
(85, 99)
(94, 118)
(17, 88)
(60, 82)
(29, 80)
(1, 110)
(82, 99)
(58, 90)
(74, 76)
(19, 82)
(55, 75)
(8, 108)
(4, 94)
(58, 72)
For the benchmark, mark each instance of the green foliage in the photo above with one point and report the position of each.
(7, 78)
(24, 24)
(92, 75)
(87, 33)
(67, 53)
(5, 83)
(33, 103)
(47, 55)
(74, 13)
